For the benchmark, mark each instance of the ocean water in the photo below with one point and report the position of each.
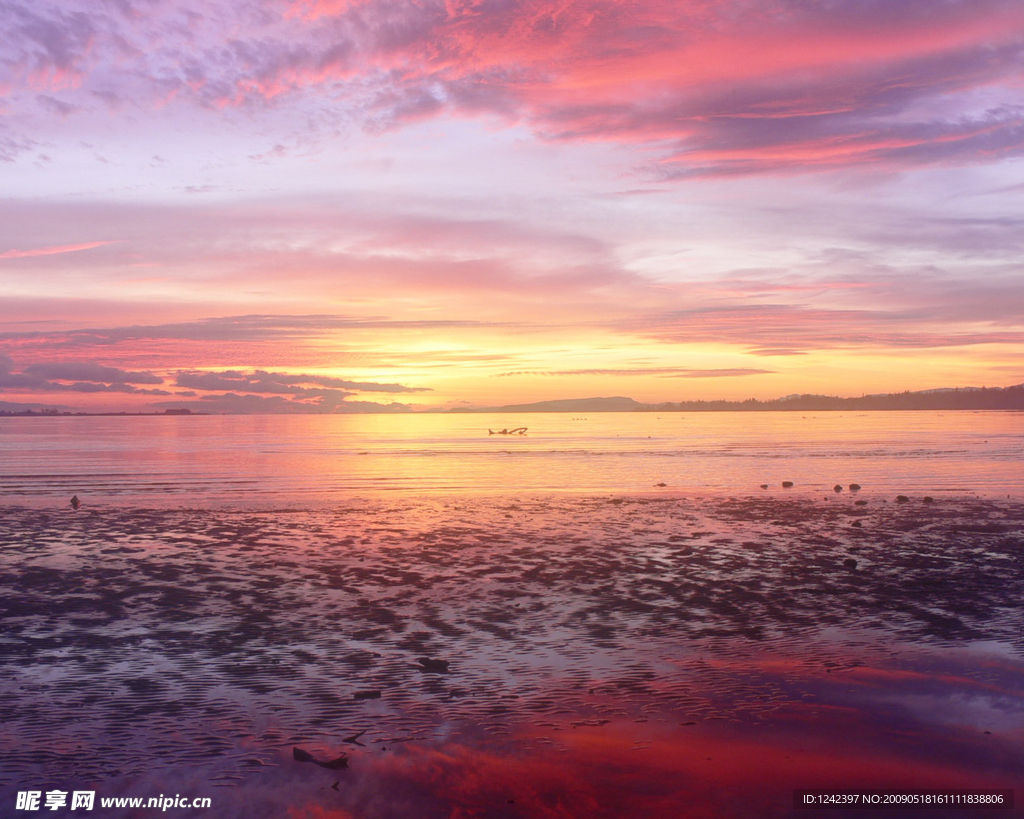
(231, 461)
(239, 595)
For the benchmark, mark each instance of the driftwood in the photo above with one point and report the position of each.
(516, 431)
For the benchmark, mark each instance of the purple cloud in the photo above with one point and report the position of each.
(762, 328)
(666, 372)
(263, 382)
(234, 403)
(82, 371)
(785, 85)
(230, 328)
(50, 45)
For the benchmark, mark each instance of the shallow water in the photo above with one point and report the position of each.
(272, 461)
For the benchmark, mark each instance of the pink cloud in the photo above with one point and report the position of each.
(49, 51)
(664, 372)
(713, 87)
(52, 251)
(777, 329)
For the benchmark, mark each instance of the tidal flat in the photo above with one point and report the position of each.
(529, 657)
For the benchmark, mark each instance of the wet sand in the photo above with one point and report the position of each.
(607, 656)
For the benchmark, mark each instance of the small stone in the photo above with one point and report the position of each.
(854, 487)
(433, 666)
(850, 563)
(787, 484)
(838, 487)
(764, 486)
(902, 499)
(928, 499)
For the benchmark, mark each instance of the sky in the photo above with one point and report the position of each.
(345, 205)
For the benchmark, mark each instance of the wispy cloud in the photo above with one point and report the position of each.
(284, 383)
(52, 251)
(74, 376)
(234, 403)
(87, 371)
(229, 328)
(762, 328)
(230, 390)
(665, 372)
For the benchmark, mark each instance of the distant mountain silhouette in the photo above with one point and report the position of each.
(964, 398)
(617, 404)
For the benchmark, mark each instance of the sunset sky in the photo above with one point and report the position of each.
(320, 205)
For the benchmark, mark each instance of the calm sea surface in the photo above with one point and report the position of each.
(267, 460)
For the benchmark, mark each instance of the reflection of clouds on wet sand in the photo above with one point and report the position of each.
(599, 650)
(663, 771)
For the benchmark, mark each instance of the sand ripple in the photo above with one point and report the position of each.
(135, 638)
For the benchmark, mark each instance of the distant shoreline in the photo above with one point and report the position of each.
(967, 398)
(495, 410)
(79, 414)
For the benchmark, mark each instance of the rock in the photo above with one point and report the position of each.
(305, 756)
(764, 486)
(838, 487)
(787, 484)
(75, 502)
(433, 666)
(661, 484)
(334, 764)
(902, 499)
(855, 487)
(373, 694)
(928, 499)
(860, 503)
(857, 523)
(850, 563)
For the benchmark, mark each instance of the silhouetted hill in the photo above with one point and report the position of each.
(965, 398)
(617, 404)
(968, 398)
